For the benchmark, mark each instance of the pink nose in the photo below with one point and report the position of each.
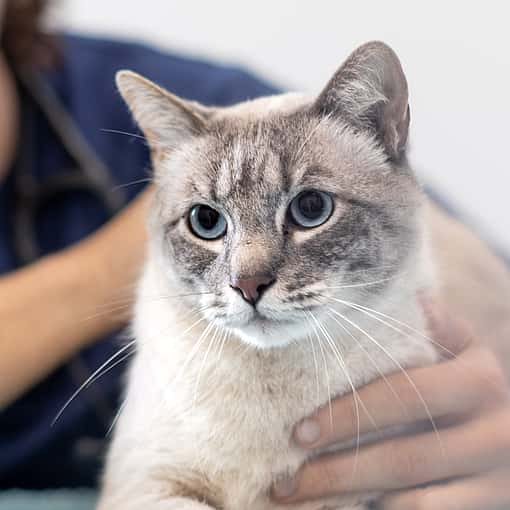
(251, 288)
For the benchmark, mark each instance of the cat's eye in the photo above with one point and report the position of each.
(207, 223)
(311, 208)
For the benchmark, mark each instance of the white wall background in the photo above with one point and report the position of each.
(456, 55)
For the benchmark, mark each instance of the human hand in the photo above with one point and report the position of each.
(464, 464)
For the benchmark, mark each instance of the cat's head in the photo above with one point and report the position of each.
(268, 211)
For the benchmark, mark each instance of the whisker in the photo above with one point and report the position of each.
(193, 312)
(87, 382)
(116, 418)
(119, 132)
(328, 385)
(195, 348)
(122, 304)
(106, 370)
(337, 354)
(132, 183)
(370, 312)
(374, 364)
(316, 365)
(100, 372)
(226, 333)
(202, 365)
(401, 368)
(148, 298)
(366, 284)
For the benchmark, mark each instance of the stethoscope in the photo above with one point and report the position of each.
(87, 172)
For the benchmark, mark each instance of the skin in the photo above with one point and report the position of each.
(69, 298)
(468, 397)
(102, 269)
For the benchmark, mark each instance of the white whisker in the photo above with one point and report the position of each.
(374, 364)
(202, 365)
(89, 380)
(357, 400)
(402, 369)
(119, 132)
(316, 366)
(225, 334)
(365, 284)
(370, 312)
(116, 418)
(328, 386)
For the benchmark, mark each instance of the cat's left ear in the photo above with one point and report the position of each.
(166, 120)
(370, 92)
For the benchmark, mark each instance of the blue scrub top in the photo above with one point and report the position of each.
(33, 453)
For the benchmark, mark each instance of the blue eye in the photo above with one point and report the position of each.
(311, 208)
(207, 223)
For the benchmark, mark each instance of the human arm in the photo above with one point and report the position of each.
(60, 304)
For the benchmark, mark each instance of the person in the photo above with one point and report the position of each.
(65, 290)
(54, 309)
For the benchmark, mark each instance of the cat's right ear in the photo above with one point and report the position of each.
(370, 92)
(165, 119)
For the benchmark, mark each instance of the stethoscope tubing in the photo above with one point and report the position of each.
(89, 174)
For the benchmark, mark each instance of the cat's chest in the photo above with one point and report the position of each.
(230, 413)
(250, 412)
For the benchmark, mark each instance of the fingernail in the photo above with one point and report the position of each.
(284, 487)
(308, 432)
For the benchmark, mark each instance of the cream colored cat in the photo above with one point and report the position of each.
(283, 233)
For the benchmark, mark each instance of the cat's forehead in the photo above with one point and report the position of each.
(283, 149)
(257, 156)
(265, 107)
(264, 148)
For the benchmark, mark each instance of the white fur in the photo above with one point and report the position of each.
(233, 427)
(199, 428)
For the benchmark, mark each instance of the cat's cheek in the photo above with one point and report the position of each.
(190, 254)
(301, 235)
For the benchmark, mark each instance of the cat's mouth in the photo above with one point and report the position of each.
(260, 319)
(255, 318)
(268, 328)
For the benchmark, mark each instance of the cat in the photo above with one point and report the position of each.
(283, 234)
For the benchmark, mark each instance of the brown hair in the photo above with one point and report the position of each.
(22, 38)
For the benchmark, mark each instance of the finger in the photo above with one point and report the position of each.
(487, 492)
(406, 462)
(452, 334)
(454, 387)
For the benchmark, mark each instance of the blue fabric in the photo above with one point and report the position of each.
(34, 454)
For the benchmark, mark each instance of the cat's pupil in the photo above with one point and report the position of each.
(207, 217)
(311, 205)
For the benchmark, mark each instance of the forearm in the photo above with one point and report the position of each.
(57, 306)
(474, 282)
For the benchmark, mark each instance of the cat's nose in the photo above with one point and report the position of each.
(251, 288)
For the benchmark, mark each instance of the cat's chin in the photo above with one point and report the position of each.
(267, 333)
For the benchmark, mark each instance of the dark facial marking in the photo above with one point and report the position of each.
(195, 258)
